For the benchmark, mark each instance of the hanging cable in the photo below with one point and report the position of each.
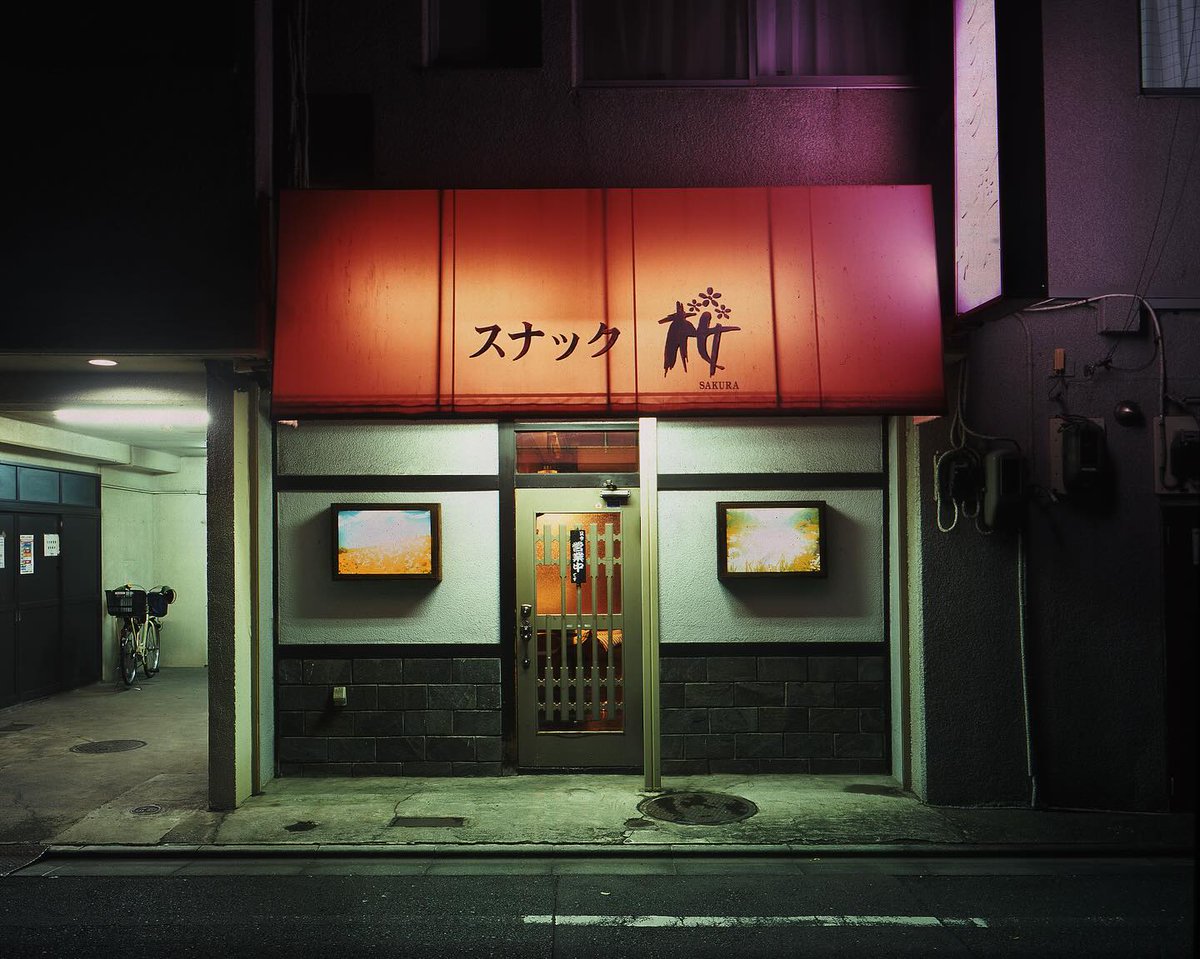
(960, 417)
(1022, 612)
(937, 494)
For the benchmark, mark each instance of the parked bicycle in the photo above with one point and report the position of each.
(141, 612)
(157, 601)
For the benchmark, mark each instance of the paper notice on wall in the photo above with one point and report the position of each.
(26, 554)
(3, 551)
(50, 544)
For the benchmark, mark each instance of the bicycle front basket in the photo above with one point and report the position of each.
(126, 602)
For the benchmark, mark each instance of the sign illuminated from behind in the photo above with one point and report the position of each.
(589, 301)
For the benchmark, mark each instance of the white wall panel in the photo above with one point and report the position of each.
(331, 447)
(771, 445)
(181, 560)
(845, 606)
(463, 608)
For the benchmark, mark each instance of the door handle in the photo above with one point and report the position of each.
(526, 636)
(525, 633)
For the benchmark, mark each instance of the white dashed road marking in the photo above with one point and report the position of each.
(741, 922)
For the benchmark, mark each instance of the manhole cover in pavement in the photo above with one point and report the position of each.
(698, 808)
(149, 809)
(109, 746)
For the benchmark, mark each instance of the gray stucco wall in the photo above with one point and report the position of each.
(464, 607)
(346, 448)
(794, 444)
(846, 606)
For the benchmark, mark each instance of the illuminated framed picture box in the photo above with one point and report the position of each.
(386, 541)
(769, 539)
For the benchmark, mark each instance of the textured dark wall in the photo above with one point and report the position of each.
(1095, 589)
(1095, 626)
(969, 654)
(749, 714)
(1108, 156)
(406, 714)
(531, 128)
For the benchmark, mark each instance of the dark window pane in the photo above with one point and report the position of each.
(486, 33)
(663, 39)
(37, 486)
(80, 490)
(822, 38)
(1170, 45)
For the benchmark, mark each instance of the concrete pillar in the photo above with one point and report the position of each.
(231, 693)
(264, 587)
(967, 727)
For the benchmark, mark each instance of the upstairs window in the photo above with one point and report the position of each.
(485, 33)
(789, 42)
(1170, 52)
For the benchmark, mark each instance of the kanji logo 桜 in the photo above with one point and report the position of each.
(704, 331)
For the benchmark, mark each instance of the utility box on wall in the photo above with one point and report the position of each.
(1176, 455)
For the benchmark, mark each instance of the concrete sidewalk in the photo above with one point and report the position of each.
(155, 797)
(601, 812)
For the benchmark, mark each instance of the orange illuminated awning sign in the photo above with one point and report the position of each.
(597, 301)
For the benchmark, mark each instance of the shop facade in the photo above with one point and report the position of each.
(778, 673)
(615, 572)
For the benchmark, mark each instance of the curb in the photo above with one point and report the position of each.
(626, 851)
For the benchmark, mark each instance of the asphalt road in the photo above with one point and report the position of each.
(682, 907)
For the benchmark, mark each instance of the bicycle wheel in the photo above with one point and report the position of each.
(129, 658)
(150, 659)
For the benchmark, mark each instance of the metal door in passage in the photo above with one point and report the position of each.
(38, 609)
(579, 666)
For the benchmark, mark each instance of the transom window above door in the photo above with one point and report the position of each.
(577, 451)
(787, 42)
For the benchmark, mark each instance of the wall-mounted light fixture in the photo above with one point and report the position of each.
(1128, 413)
(100, 361)
(132, 416)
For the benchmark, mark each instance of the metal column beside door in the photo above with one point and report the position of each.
(579, 670)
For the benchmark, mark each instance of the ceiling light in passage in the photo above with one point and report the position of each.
(99, 361)
(132, 416)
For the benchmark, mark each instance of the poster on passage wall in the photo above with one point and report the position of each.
(26, 567)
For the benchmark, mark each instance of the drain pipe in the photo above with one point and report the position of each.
(1022, 615)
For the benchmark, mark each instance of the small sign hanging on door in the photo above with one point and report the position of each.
(26, 554)
(578, 557)
(50, 544)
